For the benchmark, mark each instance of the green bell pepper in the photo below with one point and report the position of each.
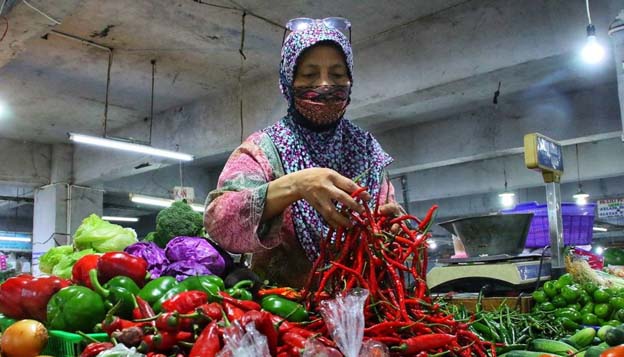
(201, 283)
(550, 289)
(115, 293)
(75, 308)
(156, 288)
(216, 280)
(123, 282)
(285, 308)
(5, 322)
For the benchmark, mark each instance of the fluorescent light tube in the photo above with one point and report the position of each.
(161, 202)
(599, 229)
(126, 146)
(120, 219)
(15, 239)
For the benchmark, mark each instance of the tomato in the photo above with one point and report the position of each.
(590, 319)
(602, 310)
(570, 293)
(617, 351)
(559, 301)
(617, 303)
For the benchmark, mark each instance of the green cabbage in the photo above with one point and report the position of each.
(53, 257)
(102, 236)
(64, 267)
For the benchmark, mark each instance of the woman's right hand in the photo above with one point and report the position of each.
(322, 188)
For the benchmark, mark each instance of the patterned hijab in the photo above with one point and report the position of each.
(345, 148)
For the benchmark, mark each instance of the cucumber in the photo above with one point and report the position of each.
(504, 349)
(583, 338)
(550, 346)
(527, 354)
(602, 333)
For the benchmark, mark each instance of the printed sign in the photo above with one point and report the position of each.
(611, 208)
(183, 193)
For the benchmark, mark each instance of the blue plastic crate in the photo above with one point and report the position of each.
(578, 222)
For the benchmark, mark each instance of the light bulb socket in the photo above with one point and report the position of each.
(591, 30)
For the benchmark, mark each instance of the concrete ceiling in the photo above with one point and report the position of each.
(54, 85)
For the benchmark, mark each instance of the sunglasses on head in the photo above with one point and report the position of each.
(303, 23)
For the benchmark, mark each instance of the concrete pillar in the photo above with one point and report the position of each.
(60, 206)
(616, 31)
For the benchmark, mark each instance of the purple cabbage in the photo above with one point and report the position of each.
(183, 269)
(195, 250)
(157, 261)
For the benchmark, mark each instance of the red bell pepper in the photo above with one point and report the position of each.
(26, 297)
(80, 271)
(208, 343)
(114, 264)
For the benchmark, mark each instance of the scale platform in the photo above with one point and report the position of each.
(503, 273)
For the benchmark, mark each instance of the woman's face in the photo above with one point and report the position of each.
(321, 66)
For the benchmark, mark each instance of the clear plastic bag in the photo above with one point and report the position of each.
(121, 351)
(244, 342)
(344, 317)
(315, 348)
(372, 348)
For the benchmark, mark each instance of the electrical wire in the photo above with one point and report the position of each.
(42, 13)
(588, 13)
(6, 29)
(153, 62)
(2, 7)
(269, 21)
(240, 75)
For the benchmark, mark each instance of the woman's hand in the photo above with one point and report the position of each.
(393, 210)
(323, 188)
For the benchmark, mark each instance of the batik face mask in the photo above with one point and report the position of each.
(322, 105)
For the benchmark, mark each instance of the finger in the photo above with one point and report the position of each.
(348, 201)
(348, 186)
(395, 228)
(331, 215)
(390, 209)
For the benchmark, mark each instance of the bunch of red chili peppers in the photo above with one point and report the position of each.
(370, 256)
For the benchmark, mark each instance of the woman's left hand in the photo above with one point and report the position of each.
(393, 210)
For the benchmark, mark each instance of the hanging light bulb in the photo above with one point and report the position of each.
(593, 52)
(506, 197)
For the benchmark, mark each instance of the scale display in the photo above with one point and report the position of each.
(541, 152)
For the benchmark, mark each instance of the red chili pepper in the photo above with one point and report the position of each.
(232, 312)
(425, 222)
(212, 310)
(80, 271)
(114, 264)
(144, 309)
(242, 304)
(264, 325)
(294, 339)
(164, 341)
(286, 292)
(424, 343)
(26, 297)
(93, 349)
(115, 323)
(185, 302)
(208, 343)
(168, 321)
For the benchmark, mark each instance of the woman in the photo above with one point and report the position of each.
(278, 192)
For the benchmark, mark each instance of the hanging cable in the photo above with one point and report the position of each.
(2, 6)
(269, 21)
(578, 169)
(240, 75)
(588, 13)
(108, 74)
(153, 62)
(56, 22)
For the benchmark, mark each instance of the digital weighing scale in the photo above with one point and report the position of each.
(503, 273)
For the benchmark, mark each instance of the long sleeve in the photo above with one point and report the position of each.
(234, 209)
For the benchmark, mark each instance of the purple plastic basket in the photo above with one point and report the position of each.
(578, 222)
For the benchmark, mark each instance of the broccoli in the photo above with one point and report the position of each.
(175, 221)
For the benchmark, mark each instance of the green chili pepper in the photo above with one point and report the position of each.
(156, 288)
(285, 308)
(239, 290)
(5, 322)
(201, 283)
(75, 308)
(216, 280)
